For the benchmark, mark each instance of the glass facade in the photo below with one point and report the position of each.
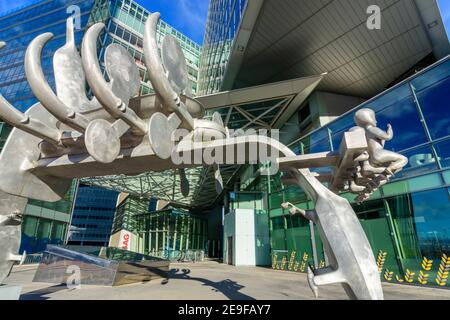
(408, 220)
(224, 17)
(19, 28)
(168, 233)
(4, 133)
(126, 27)
(93, 216)
(44, 223)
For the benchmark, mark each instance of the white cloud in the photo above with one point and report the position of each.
(194, 15)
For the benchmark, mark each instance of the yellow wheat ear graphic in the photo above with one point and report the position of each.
(444, 270)
(409, 276)
(399, 279)
(291, 260)
(305, 259)
(274, 262)
(427, 264)
(381, 259)
(283, 263)
(423, 277)
(388, 275)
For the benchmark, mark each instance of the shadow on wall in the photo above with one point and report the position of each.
(228, 287)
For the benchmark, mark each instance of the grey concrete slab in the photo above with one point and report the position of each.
(10, 292)
(209, 281)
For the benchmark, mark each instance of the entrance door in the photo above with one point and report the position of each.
(230, 250)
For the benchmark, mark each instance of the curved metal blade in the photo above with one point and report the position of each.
(43, 91)
(69, 75)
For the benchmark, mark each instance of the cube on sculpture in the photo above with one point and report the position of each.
(69, 135)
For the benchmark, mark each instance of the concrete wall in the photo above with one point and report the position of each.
(329, 106)
(250, 232)
(324, 107)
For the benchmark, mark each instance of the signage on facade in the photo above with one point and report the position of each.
(125, 240)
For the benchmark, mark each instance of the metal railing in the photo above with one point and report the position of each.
(33, 258)
(180, 255)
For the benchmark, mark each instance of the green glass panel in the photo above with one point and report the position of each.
(275, 200)
(29, 226)
(446, 175)
(33, 210)
(57, 232)
(401, 209)
(425, 182)
(372, 215)
(44, 229)
(412, 185)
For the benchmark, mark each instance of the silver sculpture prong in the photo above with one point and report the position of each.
(42, 89)
(70, 80)
(184, 182)
(70, 34)
(218, 180)
(102, 138)
(101, 89)
(24, 122)
(157, 75)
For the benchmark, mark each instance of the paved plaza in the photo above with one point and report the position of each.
(209, 281)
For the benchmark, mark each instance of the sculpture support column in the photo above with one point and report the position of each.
(11, 211)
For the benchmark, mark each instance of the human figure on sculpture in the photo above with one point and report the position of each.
(376, 138)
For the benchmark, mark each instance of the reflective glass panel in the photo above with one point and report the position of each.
(420, 161)
(443, 152)
(433, 93)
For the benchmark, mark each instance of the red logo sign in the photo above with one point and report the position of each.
(126, 241)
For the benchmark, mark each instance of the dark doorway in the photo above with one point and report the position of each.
(230, 250)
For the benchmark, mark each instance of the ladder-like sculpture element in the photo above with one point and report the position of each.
(68, 135)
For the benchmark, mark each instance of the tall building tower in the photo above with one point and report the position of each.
(223, 22)
(124, 20)
(125, 25)
(93, 216)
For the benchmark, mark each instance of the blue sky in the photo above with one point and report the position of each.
(445, 12)
(189, 16)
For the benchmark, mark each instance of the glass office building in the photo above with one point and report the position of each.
(224, 18)
(44, 223)
(18, 29)
(93, 216)
(406, 221)
(126, 27)
(168, 233)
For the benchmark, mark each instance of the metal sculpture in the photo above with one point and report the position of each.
(69, 135)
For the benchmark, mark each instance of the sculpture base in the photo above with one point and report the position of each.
(10, 292)
(100, 266)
